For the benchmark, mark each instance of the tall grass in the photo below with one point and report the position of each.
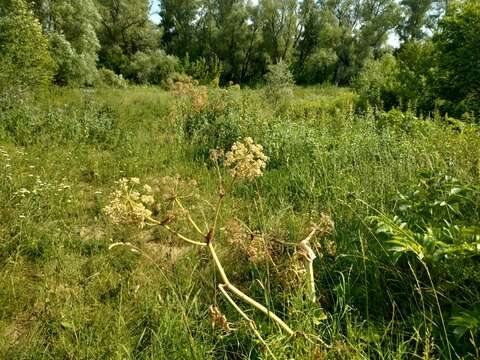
(64, 294)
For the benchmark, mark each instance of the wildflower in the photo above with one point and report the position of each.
(147, 199)
(331, 248)
(246, 159)
(127, 205)
(215, 154)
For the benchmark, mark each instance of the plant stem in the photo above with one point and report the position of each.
(194, 224)
(439, 308)
(228, 285)
(251, 323)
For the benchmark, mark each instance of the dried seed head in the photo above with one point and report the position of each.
(246, 159)
(216, 154)
(258, 250)
(219, 319)
(127, 206)
(324, 226)
(236, 233)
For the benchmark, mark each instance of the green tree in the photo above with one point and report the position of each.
(125, 29)
(70, 26)
(414, 19)
(356, 30)
(279, 28)
(416, 74)
(24, 58)
(232, 42)
(309, 19)
(457, 45)
(178, 20)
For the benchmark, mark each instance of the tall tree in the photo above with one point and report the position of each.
(70, 26)
(309, 19)
(24, 58)
(279, 28)
(458, 52)
(178, 20)
(125, 29)
(414, 19)
(232, 42)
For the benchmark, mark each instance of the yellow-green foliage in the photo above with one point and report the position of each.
(24, 58)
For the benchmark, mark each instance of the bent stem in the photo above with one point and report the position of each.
(228, 285)
(250, 322)
(189, 218)
(305, 250)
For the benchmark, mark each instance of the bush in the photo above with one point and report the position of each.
(108, 78)
(416, 75)
(216, 125)
(458, 50)
(71, 67)
(319, 67)
(24, 58)
(377, 83)
(152, 67)
(279, 83)
(203, 70)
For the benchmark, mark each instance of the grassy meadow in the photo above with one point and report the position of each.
(396, 278)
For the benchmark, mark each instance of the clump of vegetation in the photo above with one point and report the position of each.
(25, 61)
(203, 257)
(279, 83)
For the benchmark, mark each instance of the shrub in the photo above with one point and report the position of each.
(152, 67)
(436, 221)
(24, 58)
(203, 70)
(377, 83)
(73, 40)
(319, 67)
(458, 51)
(279, 83)
(108, 78)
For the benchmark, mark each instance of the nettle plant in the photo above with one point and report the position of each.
(172, 203)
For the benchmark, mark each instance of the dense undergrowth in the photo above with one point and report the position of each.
(397, 278)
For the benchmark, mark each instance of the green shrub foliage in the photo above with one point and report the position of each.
(24, 58)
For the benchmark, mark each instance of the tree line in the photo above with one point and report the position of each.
(343, 42)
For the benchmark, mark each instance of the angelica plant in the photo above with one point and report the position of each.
(130, 203)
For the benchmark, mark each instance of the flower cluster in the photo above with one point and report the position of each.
(246, 159)
(7, 165)
(127, 205)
